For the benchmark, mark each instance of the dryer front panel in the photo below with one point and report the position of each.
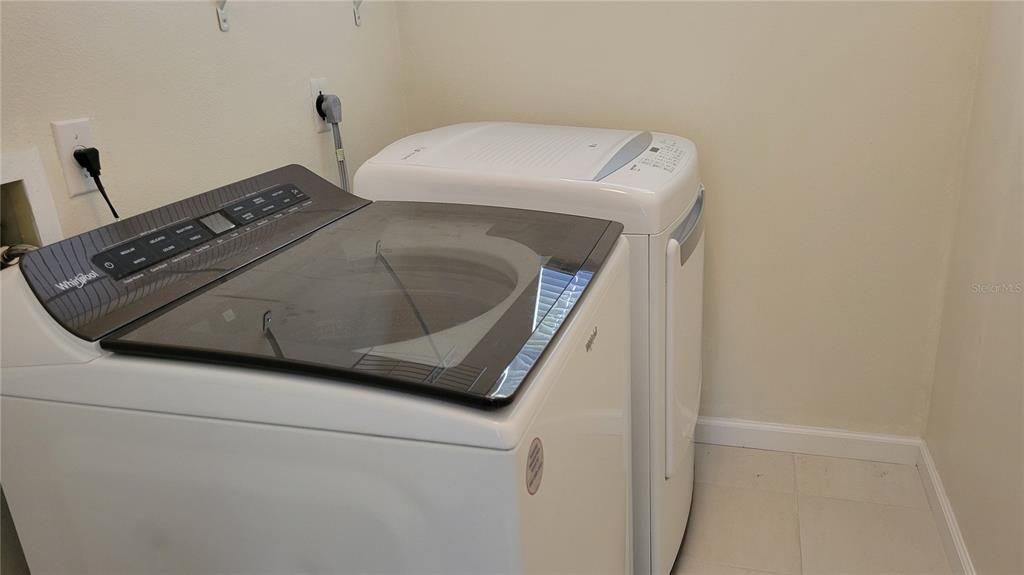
(677, 399)
(684, 297)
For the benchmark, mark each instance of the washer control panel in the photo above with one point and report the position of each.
(263, 204)
(152, 249)
(146, 251)
(102, 280)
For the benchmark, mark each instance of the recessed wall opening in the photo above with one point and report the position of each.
(17, 224)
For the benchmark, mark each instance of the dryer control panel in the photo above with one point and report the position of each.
(99, 281)
(665, 153)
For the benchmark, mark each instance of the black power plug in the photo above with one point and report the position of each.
(89, 158)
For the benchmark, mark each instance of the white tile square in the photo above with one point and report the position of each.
(740, 467)
(867, 481)
(840, 536)
(746, 528)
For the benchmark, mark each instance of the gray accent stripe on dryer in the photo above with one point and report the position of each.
(626, 154)
(689, 232)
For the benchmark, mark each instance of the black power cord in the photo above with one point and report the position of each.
(328, 107)
(89, 158)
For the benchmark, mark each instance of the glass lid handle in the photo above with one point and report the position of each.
(267, 333)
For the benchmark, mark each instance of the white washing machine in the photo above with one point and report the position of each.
(650, 183)
(279, 377)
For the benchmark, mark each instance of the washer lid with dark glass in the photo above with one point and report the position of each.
(451, 300)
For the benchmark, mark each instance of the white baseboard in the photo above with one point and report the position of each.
(809, 440)
(851, 445)
(942, 509)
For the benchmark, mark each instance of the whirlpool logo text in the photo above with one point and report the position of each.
(78, 281)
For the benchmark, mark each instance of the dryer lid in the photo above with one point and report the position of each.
(532, 151)
(451, 300)
(645, 180)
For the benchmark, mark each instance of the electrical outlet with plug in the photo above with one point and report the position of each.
(71, 135)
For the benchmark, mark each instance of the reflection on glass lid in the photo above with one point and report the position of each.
(454, 298)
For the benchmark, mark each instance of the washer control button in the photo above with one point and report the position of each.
(109, 264)
(132, 256)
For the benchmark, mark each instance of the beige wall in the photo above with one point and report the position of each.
(976, 428)
(830, 134)
(179, 107)
(831, 138)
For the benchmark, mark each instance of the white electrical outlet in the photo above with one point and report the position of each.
(316, 86)
(70, 135)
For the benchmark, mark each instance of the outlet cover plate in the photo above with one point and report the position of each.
(316, 86)
(70, 135)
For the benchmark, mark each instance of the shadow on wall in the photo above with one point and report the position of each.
(12, 558)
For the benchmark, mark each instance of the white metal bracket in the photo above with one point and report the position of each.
(222, 15)
(356, 5)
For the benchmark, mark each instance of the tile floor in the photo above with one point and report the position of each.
(757, 512)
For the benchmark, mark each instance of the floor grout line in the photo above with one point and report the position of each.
(848, 500)
(747, 487)
(726, 564)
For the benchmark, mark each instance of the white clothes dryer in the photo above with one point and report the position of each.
(649, 182)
